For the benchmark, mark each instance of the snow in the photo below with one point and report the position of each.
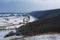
(11, 22)
(14, 22)
(37, 37)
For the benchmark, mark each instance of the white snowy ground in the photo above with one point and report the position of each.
(37, 37)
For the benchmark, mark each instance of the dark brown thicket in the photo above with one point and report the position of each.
(40, 26)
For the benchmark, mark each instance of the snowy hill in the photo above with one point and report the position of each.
(12, 21)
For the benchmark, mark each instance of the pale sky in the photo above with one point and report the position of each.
(28, 5)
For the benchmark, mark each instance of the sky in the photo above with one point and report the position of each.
(28, 5)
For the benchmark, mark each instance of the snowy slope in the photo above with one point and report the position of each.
(37, 37)
(9, 21)
(12, 21)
